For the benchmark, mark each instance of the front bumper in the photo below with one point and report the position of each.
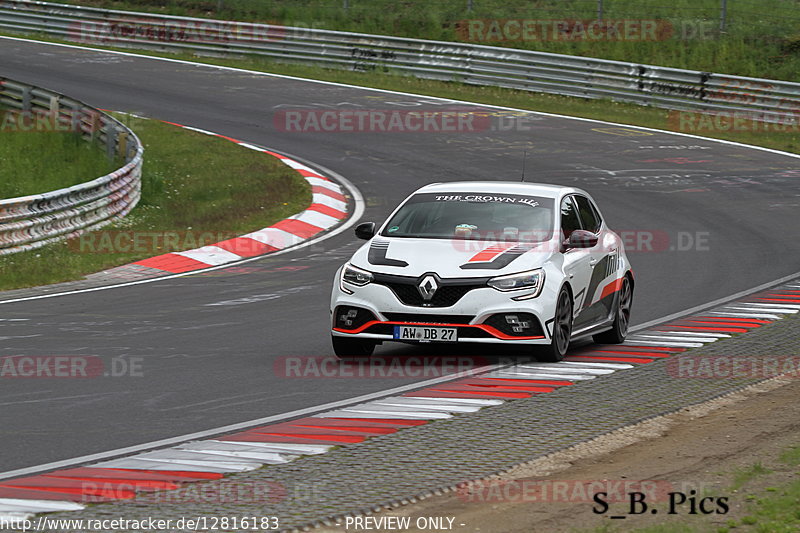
(481, 315)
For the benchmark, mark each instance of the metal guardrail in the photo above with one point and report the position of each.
(758, 99)
(33, 221)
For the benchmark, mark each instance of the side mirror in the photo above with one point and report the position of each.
(581, 239)
(366, 230)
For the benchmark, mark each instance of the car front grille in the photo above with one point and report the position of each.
(449, 292)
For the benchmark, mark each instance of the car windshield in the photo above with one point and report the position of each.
(474, 216)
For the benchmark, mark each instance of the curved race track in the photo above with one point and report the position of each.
(207, 365)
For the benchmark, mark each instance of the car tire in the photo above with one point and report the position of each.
(562, 330)
(345, 347)
(622, 318)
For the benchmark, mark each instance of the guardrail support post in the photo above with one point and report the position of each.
(122, 143)
(75, 120)
(26, 100)
(111, 140)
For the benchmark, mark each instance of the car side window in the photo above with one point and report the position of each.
(569, 217)
(589, 215)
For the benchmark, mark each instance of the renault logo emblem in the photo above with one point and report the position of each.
(427, 287)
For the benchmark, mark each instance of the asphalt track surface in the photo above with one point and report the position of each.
(205, 365)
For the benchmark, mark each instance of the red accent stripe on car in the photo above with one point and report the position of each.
(485, 327)
(488, 254)
(611, 288)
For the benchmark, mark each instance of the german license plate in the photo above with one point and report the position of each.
(425, 334)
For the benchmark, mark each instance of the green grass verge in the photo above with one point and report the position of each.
(35, 162)
(201, 188)
(761, 39)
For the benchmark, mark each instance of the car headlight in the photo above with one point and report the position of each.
(532, 280)
(355, 276)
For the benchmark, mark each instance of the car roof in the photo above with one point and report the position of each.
(501, 187)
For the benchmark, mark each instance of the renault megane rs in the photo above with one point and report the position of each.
(485, 262)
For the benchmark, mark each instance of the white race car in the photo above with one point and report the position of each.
(485, 262)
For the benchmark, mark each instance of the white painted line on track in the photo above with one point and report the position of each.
(692, 334)
(669, 344)
(617, 366)
(744, 315)
(671, 338)
(771, 305)
(456, 401)
(576, 371)
(537, 375)
(286, 448)
(51, 505)
(423, 403)
(786, 311)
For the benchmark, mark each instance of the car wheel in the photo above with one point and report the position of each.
(619, 329)
(345, 347)
(562, 330)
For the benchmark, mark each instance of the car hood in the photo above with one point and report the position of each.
(449, 258)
